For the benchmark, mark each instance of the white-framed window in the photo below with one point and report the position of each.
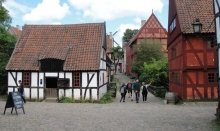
(172, 25)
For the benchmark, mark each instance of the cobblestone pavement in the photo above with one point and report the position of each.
(153, 115)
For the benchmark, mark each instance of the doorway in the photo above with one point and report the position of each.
(51, 87)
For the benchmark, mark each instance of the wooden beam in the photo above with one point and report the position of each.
(88, 84)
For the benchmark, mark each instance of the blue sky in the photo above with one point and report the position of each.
(118, 14)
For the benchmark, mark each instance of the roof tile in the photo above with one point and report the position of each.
(189, 10)
(79, 45)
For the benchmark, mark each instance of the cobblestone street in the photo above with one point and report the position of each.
(153, 115)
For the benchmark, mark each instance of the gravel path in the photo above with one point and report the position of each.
(128, 116)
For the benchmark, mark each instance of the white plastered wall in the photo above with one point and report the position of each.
(102, 91)
(93, 83)
(77, 94)
(34, 79)
(94, 94)
(69, 76)
(11, 81)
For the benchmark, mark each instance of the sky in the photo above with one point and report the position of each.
(119, 15)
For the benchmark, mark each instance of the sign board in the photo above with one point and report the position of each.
(14, 100)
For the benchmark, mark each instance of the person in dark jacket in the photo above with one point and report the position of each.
(144, 92)
(136, 88)
(21, 91)
(129, 89)
(123, 92)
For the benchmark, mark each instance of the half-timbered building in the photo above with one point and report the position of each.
(192, 56)
(150, 30)
(60, 60)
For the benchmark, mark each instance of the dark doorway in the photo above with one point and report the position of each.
(51, 87)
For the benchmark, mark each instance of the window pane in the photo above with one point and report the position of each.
(76, 79)
(211, 77)
(26, 79)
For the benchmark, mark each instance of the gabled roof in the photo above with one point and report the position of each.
(189, 10)
(79, 45)
(152, 22)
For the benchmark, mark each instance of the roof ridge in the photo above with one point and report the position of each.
(142, 27)
(63, 24)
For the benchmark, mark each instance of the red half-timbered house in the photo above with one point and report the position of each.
(150, 30)
(192, 56)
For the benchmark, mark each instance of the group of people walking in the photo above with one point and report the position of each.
(135, 88)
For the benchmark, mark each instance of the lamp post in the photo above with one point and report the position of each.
(197, 26)
(217, 25)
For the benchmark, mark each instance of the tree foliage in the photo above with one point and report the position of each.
(7, 43)
(117, 55)
(145, 52)
(5, 19)
(156, 73)
(128, 34)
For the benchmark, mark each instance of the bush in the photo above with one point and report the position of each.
(111, 78)
(156, 73)
(113, 89)
(64, 99)
(107, 98)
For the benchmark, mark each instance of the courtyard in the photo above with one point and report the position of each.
(153, 115)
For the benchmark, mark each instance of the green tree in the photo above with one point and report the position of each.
(145, 52)
(128, 34)
(7, 43)
(5, 19)
(117, 55)
(156, 73)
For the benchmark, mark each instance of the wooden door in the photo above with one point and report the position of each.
(51, 87)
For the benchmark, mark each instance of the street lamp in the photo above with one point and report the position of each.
(197, 26)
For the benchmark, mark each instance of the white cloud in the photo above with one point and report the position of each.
(122, 27)
(14, 7)
(56, 23)
(47, 12)
(112, 9)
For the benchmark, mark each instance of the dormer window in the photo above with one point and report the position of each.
(51, 65)
(172, 25)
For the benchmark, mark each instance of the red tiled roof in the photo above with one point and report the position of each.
(152, 22)
(79, 45)
(189, 10)
(15, 31)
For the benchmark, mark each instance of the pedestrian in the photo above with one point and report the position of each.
(129, 89)
(144, 91)
(21, 91)
(136, 88)
(123, 92)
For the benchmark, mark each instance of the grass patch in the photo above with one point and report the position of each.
(215, 125)
(64, 99)
(107, 98)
